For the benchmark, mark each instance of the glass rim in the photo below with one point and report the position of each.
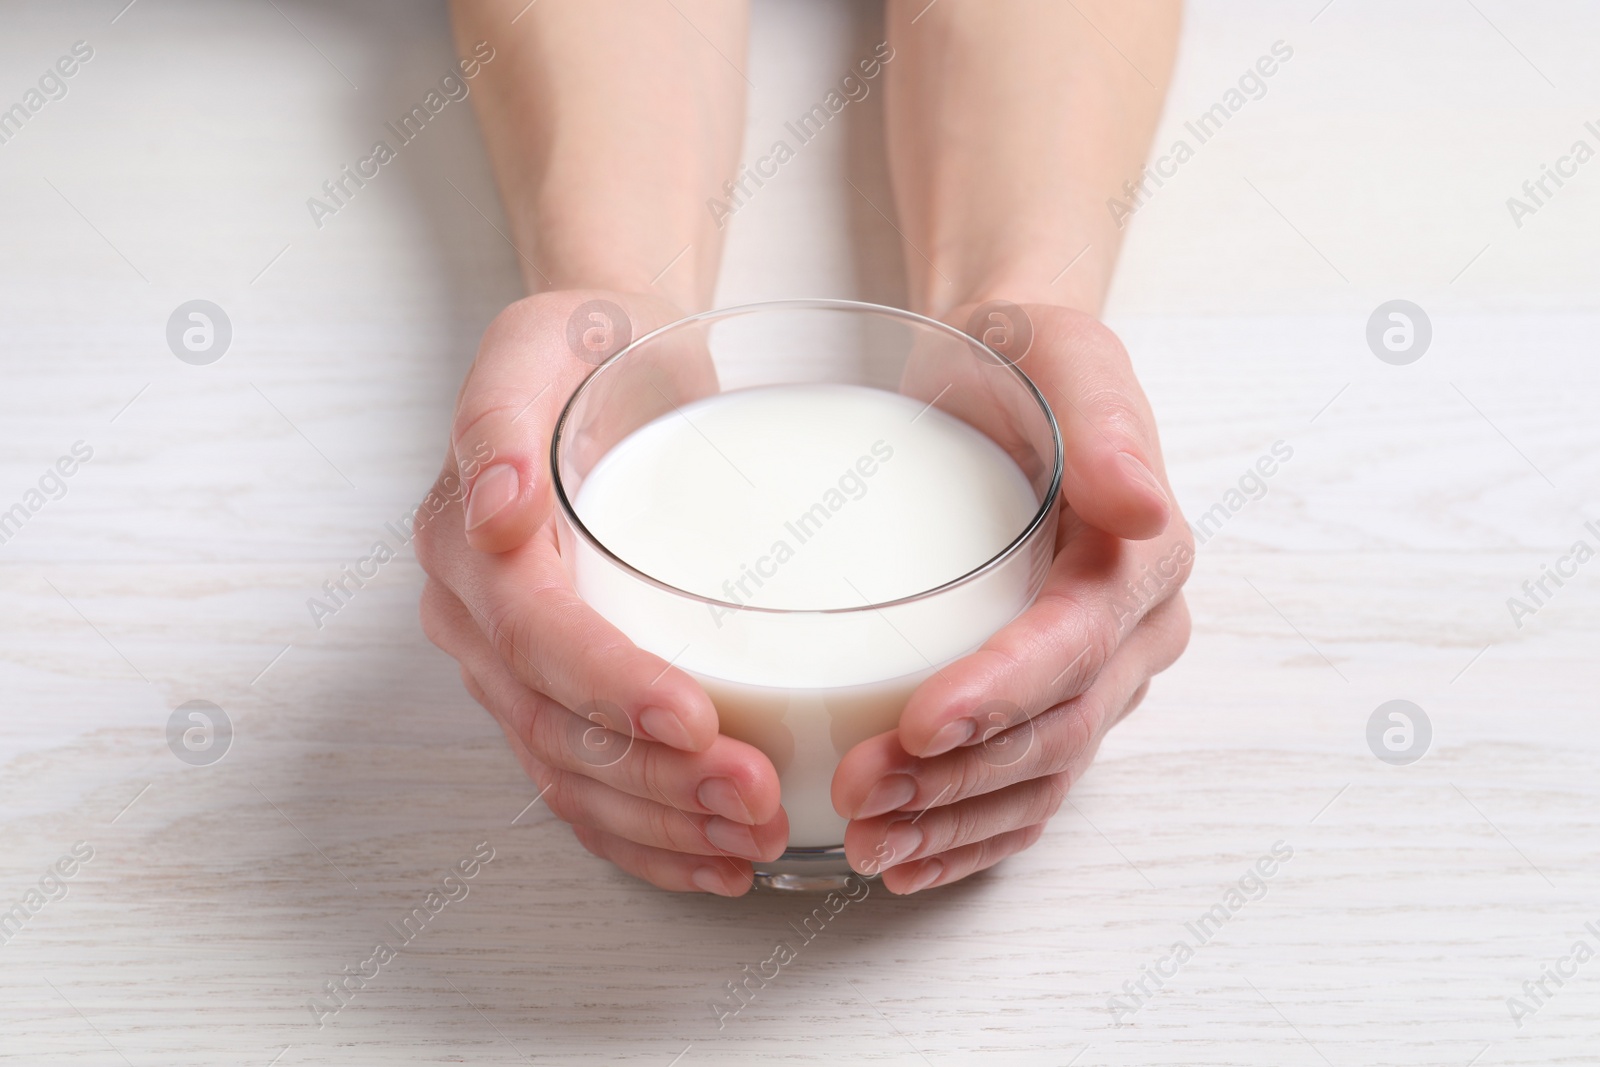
(1040, 515)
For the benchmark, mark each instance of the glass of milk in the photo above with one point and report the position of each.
(811, 506)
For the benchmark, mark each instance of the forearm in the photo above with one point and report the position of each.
(1010, 125)
(609, 125)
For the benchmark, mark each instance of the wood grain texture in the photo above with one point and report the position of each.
(1376, 566)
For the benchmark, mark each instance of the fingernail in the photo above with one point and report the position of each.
(1143, 475)
(900, 841)
(732, 837)
(494, 490)
(949, 736)
(722, 797)
(665, 727)
(890, 793)
(709, 880)
(929, 875)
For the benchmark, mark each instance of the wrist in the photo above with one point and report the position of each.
(1072, 273)
(602, 248)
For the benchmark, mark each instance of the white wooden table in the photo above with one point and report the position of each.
(219, 899)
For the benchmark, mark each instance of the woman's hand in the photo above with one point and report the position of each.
(1012, 130)
(622, 745)
(608, 125)
(989, 746)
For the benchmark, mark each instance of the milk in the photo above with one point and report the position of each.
(784, 507)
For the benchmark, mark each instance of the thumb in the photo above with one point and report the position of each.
(532, 357)
(1111, 455)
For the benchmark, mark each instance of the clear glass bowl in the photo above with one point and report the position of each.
(760, 665)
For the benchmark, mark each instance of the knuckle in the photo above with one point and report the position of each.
(1076, 635)
(967, 777)
(1178, 627)
(552, 737)
(1118, 411)
(1169, 563)
(592, 841)
(961, 826)
(1184, 536)
(561, 797)
(1004, 658)
(473, 689)
(652, 772)
(473, 424)
(431, 611)
(660, 827)
(544, 737)
(1066, 732)
(1100, 638)
(1091, 643)
(1087, 334)
(1048, 799)
(1117, 405)
(525, 718)
(507, 624)
(1179, 558)
(1000, 846)
(653, 868)
(1180, 641)
(987, 853)
(1135, 700)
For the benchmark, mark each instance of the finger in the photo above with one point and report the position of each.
(582, 801)
(900, 837)
(669, 870)
(504, 414)
(523, 601)
(531, 358)
(958, 863)
(1111, 472)
(731, 778)
(725, 875)
(1098, 590)
(878, 776)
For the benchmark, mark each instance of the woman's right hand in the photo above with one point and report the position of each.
(622, 745)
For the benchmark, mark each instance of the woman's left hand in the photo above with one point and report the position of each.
(988, 747)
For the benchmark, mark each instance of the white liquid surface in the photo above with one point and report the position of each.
(806, 498)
